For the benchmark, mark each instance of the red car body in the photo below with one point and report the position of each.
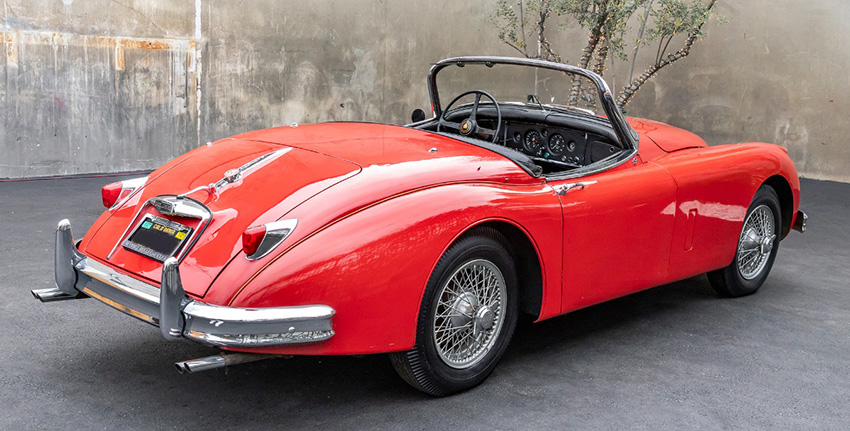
(389, 209)
(378, 205)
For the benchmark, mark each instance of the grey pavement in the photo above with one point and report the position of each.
(673, 357)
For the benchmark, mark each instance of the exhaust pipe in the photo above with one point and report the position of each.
(54, 294)
(218, 361)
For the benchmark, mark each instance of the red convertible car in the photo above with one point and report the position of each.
(535, 196)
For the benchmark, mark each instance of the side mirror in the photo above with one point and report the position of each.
(417, 115)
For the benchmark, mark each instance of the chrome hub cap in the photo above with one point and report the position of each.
(484, 319)
(756, 242)
(469, 313)
(463, 308)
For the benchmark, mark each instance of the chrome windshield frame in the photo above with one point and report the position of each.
(627, 135)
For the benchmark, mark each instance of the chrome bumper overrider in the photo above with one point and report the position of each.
(800, 221)
(176, 314)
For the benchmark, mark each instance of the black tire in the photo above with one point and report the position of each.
(733, 281)
(423, 367)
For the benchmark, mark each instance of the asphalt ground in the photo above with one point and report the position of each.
(673, 357)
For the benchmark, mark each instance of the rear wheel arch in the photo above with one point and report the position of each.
(786, 201)
(525, 256)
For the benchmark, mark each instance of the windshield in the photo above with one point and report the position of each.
(536, 87)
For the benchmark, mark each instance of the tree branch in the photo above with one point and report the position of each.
(653, 70)
(587, 54)
(542, 42)
(516, 48)
(639, 39)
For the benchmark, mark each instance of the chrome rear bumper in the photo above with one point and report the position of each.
(177, 315)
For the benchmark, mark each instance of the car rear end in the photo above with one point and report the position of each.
(163, 239)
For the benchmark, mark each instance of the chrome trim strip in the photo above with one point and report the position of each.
(234, 176)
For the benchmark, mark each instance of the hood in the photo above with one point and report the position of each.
(273, 180)
(665, 136)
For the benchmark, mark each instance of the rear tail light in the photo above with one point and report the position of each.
(258, 241)
(113, 193)
(251, 239)
(110, 194)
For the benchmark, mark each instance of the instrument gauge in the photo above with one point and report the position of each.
(557, 144)
(533, 142)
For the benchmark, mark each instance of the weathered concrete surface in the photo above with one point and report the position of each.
(675, 357)
(776, 72)
(105, 86)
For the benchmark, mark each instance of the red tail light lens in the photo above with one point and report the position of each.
(252, 238)
(110, 194)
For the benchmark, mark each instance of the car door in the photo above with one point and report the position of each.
(617, 232)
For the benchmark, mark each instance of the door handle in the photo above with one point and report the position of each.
(580, 185)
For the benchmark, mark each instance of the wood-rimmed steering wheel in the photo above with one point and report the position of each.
(469, 126)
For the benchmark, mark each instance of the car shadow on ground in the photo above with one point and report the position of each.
(134, 368)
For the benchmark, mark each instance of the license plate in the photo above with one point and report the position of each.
(157, 238)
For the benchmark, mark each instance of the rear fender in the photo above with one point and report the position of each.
(372, 266)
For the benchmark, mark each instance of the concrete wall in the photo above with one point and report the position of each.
(105, 86)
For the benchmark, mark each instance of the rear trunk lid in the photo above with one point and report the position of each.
(272, 179)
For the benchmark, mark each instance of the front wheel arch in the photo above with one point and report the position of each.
(786, 201)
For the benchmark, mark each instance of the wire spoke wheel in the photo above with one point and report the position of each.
(467, 318)
(469, 313)
(756, 242)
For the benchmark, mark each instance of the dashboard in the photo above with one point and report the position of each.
(564, 145)
(553, 139)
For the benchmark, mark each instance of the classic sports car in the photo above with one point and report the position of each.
(428, 241)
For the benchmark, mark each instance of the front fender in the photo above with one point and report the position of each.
(715, 188)
(372, 266)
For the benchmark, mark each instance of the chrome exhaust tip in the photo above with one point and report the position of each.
(218, 361)
(54, 294)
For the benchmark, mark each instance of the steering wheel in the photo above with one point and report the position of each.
(469, 126)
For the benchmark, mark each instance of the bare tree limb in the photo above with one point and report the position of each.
(522, 24)
(516, 48)
(640, 38)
